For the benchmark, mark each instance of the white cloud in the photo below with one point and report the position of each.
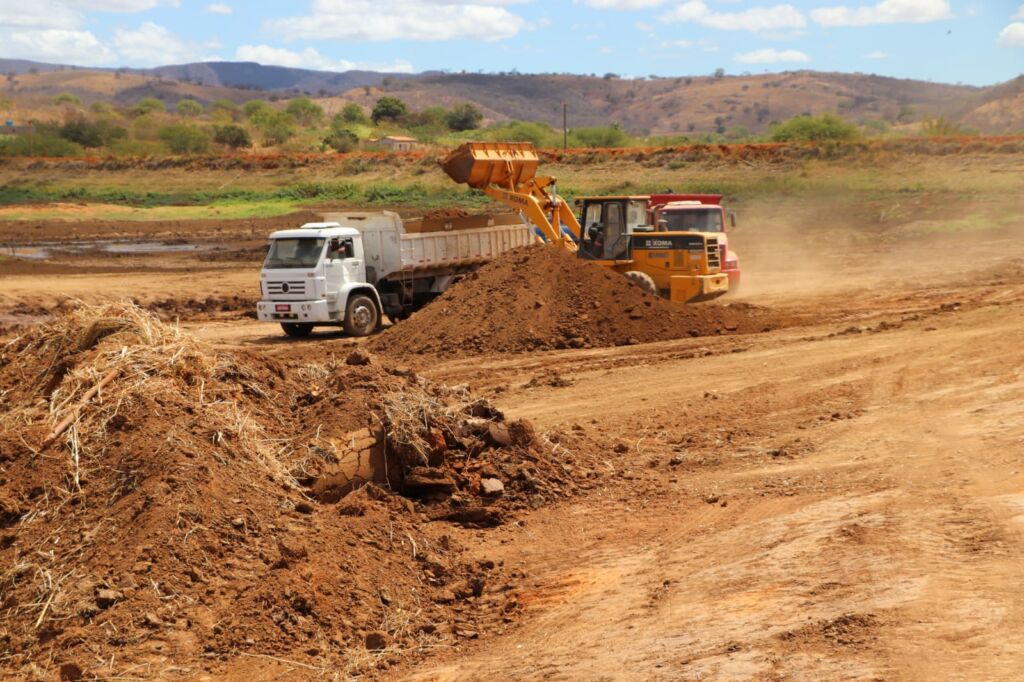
(63, 14)
(151, 44)
(379, 20)
(756, 19)
(666, 44)
(623, 4)
(605, 50)
(876, 54)
(1012, 35)
(219, 8)
(309, 58)
(56, 45)
(884, 12)
(646, 28)
(124, 6)
(37, 14)
(771, 56)
(1019, 14)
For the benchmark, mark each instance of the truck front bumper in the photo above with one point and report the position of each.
(298, 312)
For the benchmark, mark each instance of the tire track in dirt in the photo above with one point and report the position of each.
(891, 549)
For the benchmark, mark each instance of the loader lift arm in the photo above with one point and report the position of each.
(507, 172)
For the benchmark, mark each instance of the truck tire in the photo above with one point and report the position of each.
(296, 330)
(642, 280)
(361, 316)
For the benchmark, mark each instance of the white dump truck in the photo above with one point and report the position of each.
(357, 266)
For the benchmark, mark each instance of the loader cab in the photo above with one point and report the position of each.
(606, 224)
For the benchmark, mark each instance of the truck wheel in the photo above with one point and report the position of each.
(297, 331)
(361, 316)
(643, 280)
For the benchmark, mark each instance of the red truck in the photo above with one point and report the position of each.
(697, 213)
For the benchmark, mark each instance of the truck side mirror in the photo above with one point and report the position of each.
(732, 218)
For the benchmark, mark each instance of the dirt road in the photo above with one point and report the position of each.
(822, 507)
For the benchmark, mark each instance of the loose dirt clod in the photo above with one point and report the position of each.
(191, 506)
(542, 298)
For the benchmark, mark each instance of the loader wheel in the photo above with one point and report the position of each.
(361, 316)
(643, 280)
(297, 331)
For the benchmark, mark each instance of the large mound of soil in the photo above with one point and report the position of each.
(540, 298)
(199, 506)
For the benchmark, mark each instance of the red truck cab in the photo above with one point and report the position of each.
(697, 213)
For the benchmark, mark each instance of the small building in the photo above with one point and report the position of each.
(397, 143)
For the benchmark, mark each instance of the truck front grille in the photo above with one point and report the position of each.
(714, 254)
(289, 288)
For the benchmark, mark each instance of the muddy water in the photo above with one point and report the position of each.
(48, 250)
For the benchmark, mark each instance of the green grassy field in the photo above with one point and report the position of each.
(895, 183)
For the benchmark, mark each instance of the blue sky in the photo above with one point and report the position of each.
(941, 40)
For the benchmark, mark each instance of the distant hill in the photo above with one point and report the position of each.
(250, 74)
(241, 75)
(656, 105)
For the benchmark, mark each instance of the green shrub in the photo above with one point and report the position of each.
(92, 133)
(426, 124)
(353, 113)
(67, 98)
(388, 109)
(257, 110)
(464, 116)
(130, 147)
(148, 105)
(341, 140)
(189, 108)
(38, 144)
(277, 127)
(232, 135)
(146, 127)
(304, 110)
(540, 134)
(941, 127)
(182, 138)
(102, 109)
(602, 136)
(814, 129)
(224, 109)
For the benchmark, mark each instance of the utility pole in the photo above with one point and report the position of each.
(565, 127)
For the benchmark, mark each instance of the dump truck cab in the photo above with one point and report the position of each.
(703, 213)
(618, 232)
(316, 275)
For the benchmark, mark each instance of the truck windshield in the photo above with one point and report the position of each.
(297, 252)
(693, 220)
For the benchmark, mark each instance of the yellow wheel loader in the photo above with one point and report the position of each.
(681, 266)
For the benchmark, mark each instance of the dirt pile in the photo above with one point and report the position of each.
(165, 509)
(540, 298)
(452, 212)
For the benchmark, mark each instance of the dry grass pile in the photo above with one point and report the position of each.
(166, 509)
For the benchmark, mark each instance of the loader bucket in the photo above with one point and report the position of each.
(479, 164)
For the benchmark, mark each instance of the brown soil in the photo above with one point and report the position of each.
(32, 231)
(541, 298)
(197, 509)
(446, 213)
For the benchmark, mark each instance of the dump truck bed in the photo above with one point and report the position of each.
(393, 253)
